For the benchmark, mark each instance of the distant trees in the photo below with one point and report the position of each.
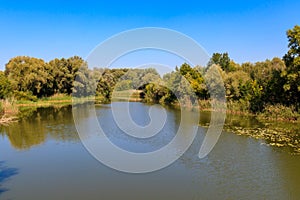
(223, 60)
(185, 84)
(32, 77)
(254, 86)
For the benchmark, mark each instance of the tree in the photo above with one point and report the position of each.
(214, 77)
(223, 60)
(237, 85)
(85, 82)
(64, 72)
(28, 74)
(195, 79)
(5, 86)
(292, 61)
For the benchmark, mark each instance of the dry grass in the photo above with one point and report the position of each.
(8, 111)
(9, 107)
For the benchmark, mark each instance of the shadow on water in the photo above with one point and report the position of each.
(5, 174)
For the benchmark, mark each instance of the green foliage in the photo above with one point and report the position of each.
(214, 80)
(237, 85)
(124, 85)
(249, 87)
(106, 82)
(279, 112)
(1, 109)
(292, 61)
(5, 86)
(64, 72)
(158, 93)
(223, 60)
(184, 85)
(139, 78)
(29, 74)
(24, 96)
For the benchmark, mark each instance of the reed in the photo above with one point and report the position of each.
(8, 111)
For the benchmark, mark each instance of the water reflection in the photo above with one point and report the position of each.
(237, 168)
(36, 124)
(232, 120)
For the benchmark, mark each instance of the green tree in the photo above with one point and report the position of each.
(64, 72)
(237, 85)
(85, 82)
(223, 60)
(214, 77)
(5, 86)
(28, 74)
(292, 61)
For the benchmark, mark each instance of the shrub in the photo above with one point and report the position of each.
(239, 106)
(279, 112)
(27, 96)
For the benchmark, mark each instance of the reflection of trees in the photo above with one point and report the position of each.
(232, 120)
(54, 122)
(5, 173)
(24, 134)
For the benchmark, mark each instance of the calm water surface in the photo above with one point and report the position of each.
(41, 157)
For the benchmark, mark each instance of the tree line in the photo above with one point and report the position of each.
(250, 86)
(29, 78)
(253, 87)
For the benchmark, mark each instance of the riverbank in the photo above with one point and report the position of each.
(277, 133)
(270, 113)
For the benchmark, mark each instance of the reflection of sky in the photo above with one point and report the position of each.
(249, 31)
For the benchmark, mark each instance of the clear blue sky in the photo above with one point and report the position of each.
(247, 30)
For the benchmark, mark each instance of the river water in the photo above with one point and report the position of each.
(42, 157)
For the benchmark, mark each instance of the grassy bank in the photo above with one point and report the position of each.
(270, 113)
(276, 112)
(127, 95)
(58, 99)
(46, 101)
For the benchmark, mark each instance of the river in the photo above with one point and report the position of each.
(42, 157)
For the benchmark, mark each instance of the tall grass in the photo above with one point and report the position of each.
(280, 112)
(126, 95)
(9, 107)
(8, 111)
(58, 97)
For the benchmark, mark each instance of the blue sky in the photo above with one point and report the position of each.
(247, 30)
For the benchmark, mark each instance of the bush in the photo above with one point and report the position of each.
(239, 106)
(279, 112)
(58, 97)
(26, 96)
